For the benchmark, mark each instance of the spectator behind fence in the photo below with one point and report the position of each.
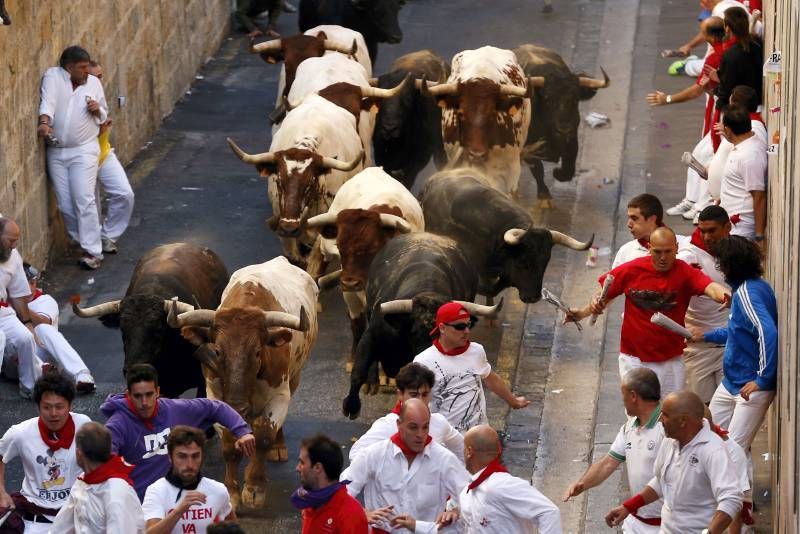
(742, 63)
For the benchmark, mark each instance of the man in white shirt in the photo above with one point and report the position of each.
(461, 368)
(51, 345)
(645, 214)
(16, 338)
(72, 108)
(407, 477)
(414, 381)
(703, 360)
(103, 498)
(184, 500)
(693, 473)
(636, 445)
(46, 447)
(744, 180)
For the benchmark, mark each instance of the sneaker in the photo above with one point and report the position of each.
(90, 262)
(696, 218)
(25, 393)
(681, 207)
(85, 387)
(289, 8)
(678, 67)
(690, 214)
(109, 246)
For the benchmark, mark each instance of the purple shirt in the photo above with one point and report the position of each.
(145, 447)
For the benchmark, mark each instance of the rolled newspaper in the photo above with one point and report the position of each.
(695, 165)
(550, 297)
(606, 286)
(665, 322)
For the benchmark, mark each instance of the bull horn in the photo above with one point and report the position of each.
(480, 310)
(182, 307)
(443, 89)
(323, 219)
(536, 81)
(595, 83)
(329, 280)
(393, 221)
(264, 157)
(512, 237)
(570, 242)
(333, 163)
(106, 308)
(333, 46)
(397, 306)
(377, 92)
(508, 89)
(267, 46)
(287, 320)
(192, 318)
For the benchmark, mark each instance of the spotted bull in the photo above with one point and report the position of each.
(254, 347)
(193, 275)
(496, 235)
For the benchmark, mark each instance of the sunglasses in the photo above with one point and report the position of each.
(463, 326)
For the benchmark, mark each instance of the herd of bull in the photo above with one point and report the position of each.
(245, 338)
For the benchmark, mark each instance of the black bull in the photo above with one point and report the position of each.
(197, 277)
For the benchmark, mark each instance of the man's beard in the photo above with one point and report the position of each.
(5, 253)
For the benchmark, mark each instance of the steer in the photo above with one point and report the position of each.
(370, 209)
(255, 345)
(553, 135)
(190, 273)
(408, 130)
(408, 280)
(376, 20)
(487, 112)
(495, 233)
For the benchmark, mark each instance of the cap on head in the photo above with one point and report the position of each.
(449, 312)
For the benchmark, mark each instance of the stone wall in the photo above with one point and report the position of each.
(150, 51)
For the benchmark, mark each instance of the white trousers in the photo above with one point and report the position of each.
(696, 187)
(53, 347)
(746, 227)
(741, 417)
(670, 373)
(73, 172)
(631, 525)
(119, 195)
(703, 365)
(18, 342)
(37, 528)
(694, 67)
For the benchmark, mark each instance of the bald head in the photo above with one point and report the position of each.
(685, 403)
(481, 446)
(413, 424)
(414, 409)
(663, 248)
(663, 235)
(9, 237)
(713, 29)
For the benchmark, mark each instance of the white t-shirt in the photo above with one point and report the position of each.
(458, 391)
(161, 497)
(47, 306)
(745, 171)
(703, 312)
(628, 252)
(49, 475)
(13, 283)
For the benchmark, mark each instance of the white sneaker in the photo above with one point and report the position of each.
(696, 219)
(690, 214)
(681, 207)
(109, 246)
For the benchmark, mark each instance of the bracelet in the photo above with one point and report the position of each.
(634, 503)
(669, 99)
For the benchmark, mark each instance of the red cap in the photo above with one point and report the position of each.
(449, 312)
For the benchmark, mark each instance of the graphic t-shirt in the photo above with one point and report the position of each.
(49, 475)
(458, 391)
(162, 497)
(648, 291)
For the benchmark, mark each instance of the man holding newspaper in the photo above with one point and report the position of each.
(658, 289)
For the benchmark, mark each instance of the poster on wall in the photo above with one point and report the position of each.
(772, 79)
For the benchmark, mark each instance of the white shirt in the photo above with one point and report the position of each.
(49, 475)
(420, 490)
(745, 171)
(161, 497)
(440, 430)
(637, 446)
(458, 391)
(13, 283)
(695, 482)
(506, 504)
(703, 312)
(111, 507)
(47, 306)
(73, 124)
(628, 252)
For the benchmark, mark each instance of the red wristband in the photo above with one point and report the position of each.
(634, 503)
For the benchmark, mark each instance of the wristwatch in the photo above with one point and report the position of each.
(669, 99)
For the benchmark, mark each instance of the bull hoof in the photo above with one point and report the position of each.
(278, 453)
(236, 500)
(545, 203)
(372, 389)
(254, 496)
(561, 175)
(351, 407)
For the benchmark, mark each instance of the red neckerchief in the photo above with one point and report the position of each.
(756, 116)
(38, 293)
(646, 242)
(397, 440)
(452, 352)
(147, 422)
(494, 467)
(396, 409)
(61, 438)
(697, 240)
(116, 467)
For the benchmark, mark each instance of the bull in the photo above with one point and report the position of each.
(408, 128)
(376, 20)
(496, 235)
(254, 347)
(553, 136)
(370, 209)
(487, 112)
(408, 280)
(193, 275)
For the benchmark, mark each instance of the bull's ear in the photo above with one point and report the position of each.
(196, 335)
(272, 57)
(445, 101)
(321, 35)
(279, 337)
(512, 105)
(371, 104)
(265, 170)
(329, 231)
